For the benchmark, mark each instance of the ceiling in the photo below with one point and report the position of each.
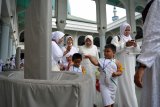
(23, 4)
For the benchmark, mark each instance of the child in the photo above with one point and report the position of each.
(76, 67)
(68, 63)
(110, 68)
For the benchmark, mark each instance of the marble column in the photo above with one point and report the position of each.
(101, 23)
(38, 40)
(5, 39)
(0, 7)
(17, 58)
(130, 12)
(10, 47)
(61, 12)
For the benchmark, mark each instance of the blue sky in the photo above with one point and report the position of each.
(87, 9)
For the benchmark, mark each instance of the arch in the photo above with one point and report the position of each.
(21, 37)
(96, 41)
(81, 40)
(139, 34)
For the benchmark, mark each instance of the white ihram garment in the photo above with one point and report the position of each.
(108, 84)
(151, 58)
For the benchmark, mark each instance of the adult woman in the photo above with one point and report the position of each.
(57, 53)
(126, 53)
(90, 49)
(68, 51)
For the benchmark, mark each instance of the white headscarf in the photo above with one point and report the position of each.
(122, 30)
(68, 38)
(90, 37)
(57, 35)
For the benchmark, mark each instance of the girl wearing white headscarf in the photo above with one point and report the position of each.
(69, 47)
(126, 49)
(150, 58)
(90, 49)
(57, 53)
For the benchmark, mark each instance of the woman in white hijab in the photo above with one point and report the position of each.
(150, 58)
(126, 49)
(90, 49)
(69, 47)
(57, 53)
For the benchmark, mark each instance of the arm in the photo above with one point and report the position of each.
(137, 47)
(119, 69)
(93, 60)
(139, 75)
(120, 46)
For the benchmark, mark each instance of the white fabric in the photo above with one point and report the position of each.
(126, 96)
(75, 69)
(108, 84)
(57, 35)
(90, 68)
(57, 53)
(151, 57)
(63, 89)
(71, 52)
(89, 37)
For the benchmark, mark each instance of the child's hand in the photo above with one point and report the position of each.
(114, 74)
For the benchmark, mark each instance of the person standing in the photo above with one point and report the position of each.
(110, 69)
(68, 51)
(57, 53)
(126, 54)
(148, 74)
(90, 49)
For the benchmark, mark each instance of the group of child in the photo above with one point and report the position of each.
(109, 69)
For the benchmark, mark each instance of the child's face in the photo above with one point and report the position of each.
(69, 59)
(77, 62)
(127, 31)
(108, 53)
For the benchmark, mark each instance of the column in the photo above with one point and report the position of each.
(61, 13)
(13, 48)
(101, 23)
(130, 12)
(5, 38)
(17, 58)
(38, 40)
(10, 47)
(0, 7)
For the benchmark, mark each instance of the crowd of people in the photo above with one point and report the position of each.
(117, 68)
(117, 75)
(10, 64)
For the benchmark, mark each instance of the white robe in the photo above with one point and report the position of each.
(151, 57)
(126, 96)
(71, 52)
(90, 68)
(57, 55)
(108, 84)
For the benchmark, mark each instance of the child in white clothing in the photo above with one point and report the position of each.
(76, 67)
(110, 68)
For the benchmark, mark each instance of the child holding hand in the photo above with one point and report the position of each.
(110, 69)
